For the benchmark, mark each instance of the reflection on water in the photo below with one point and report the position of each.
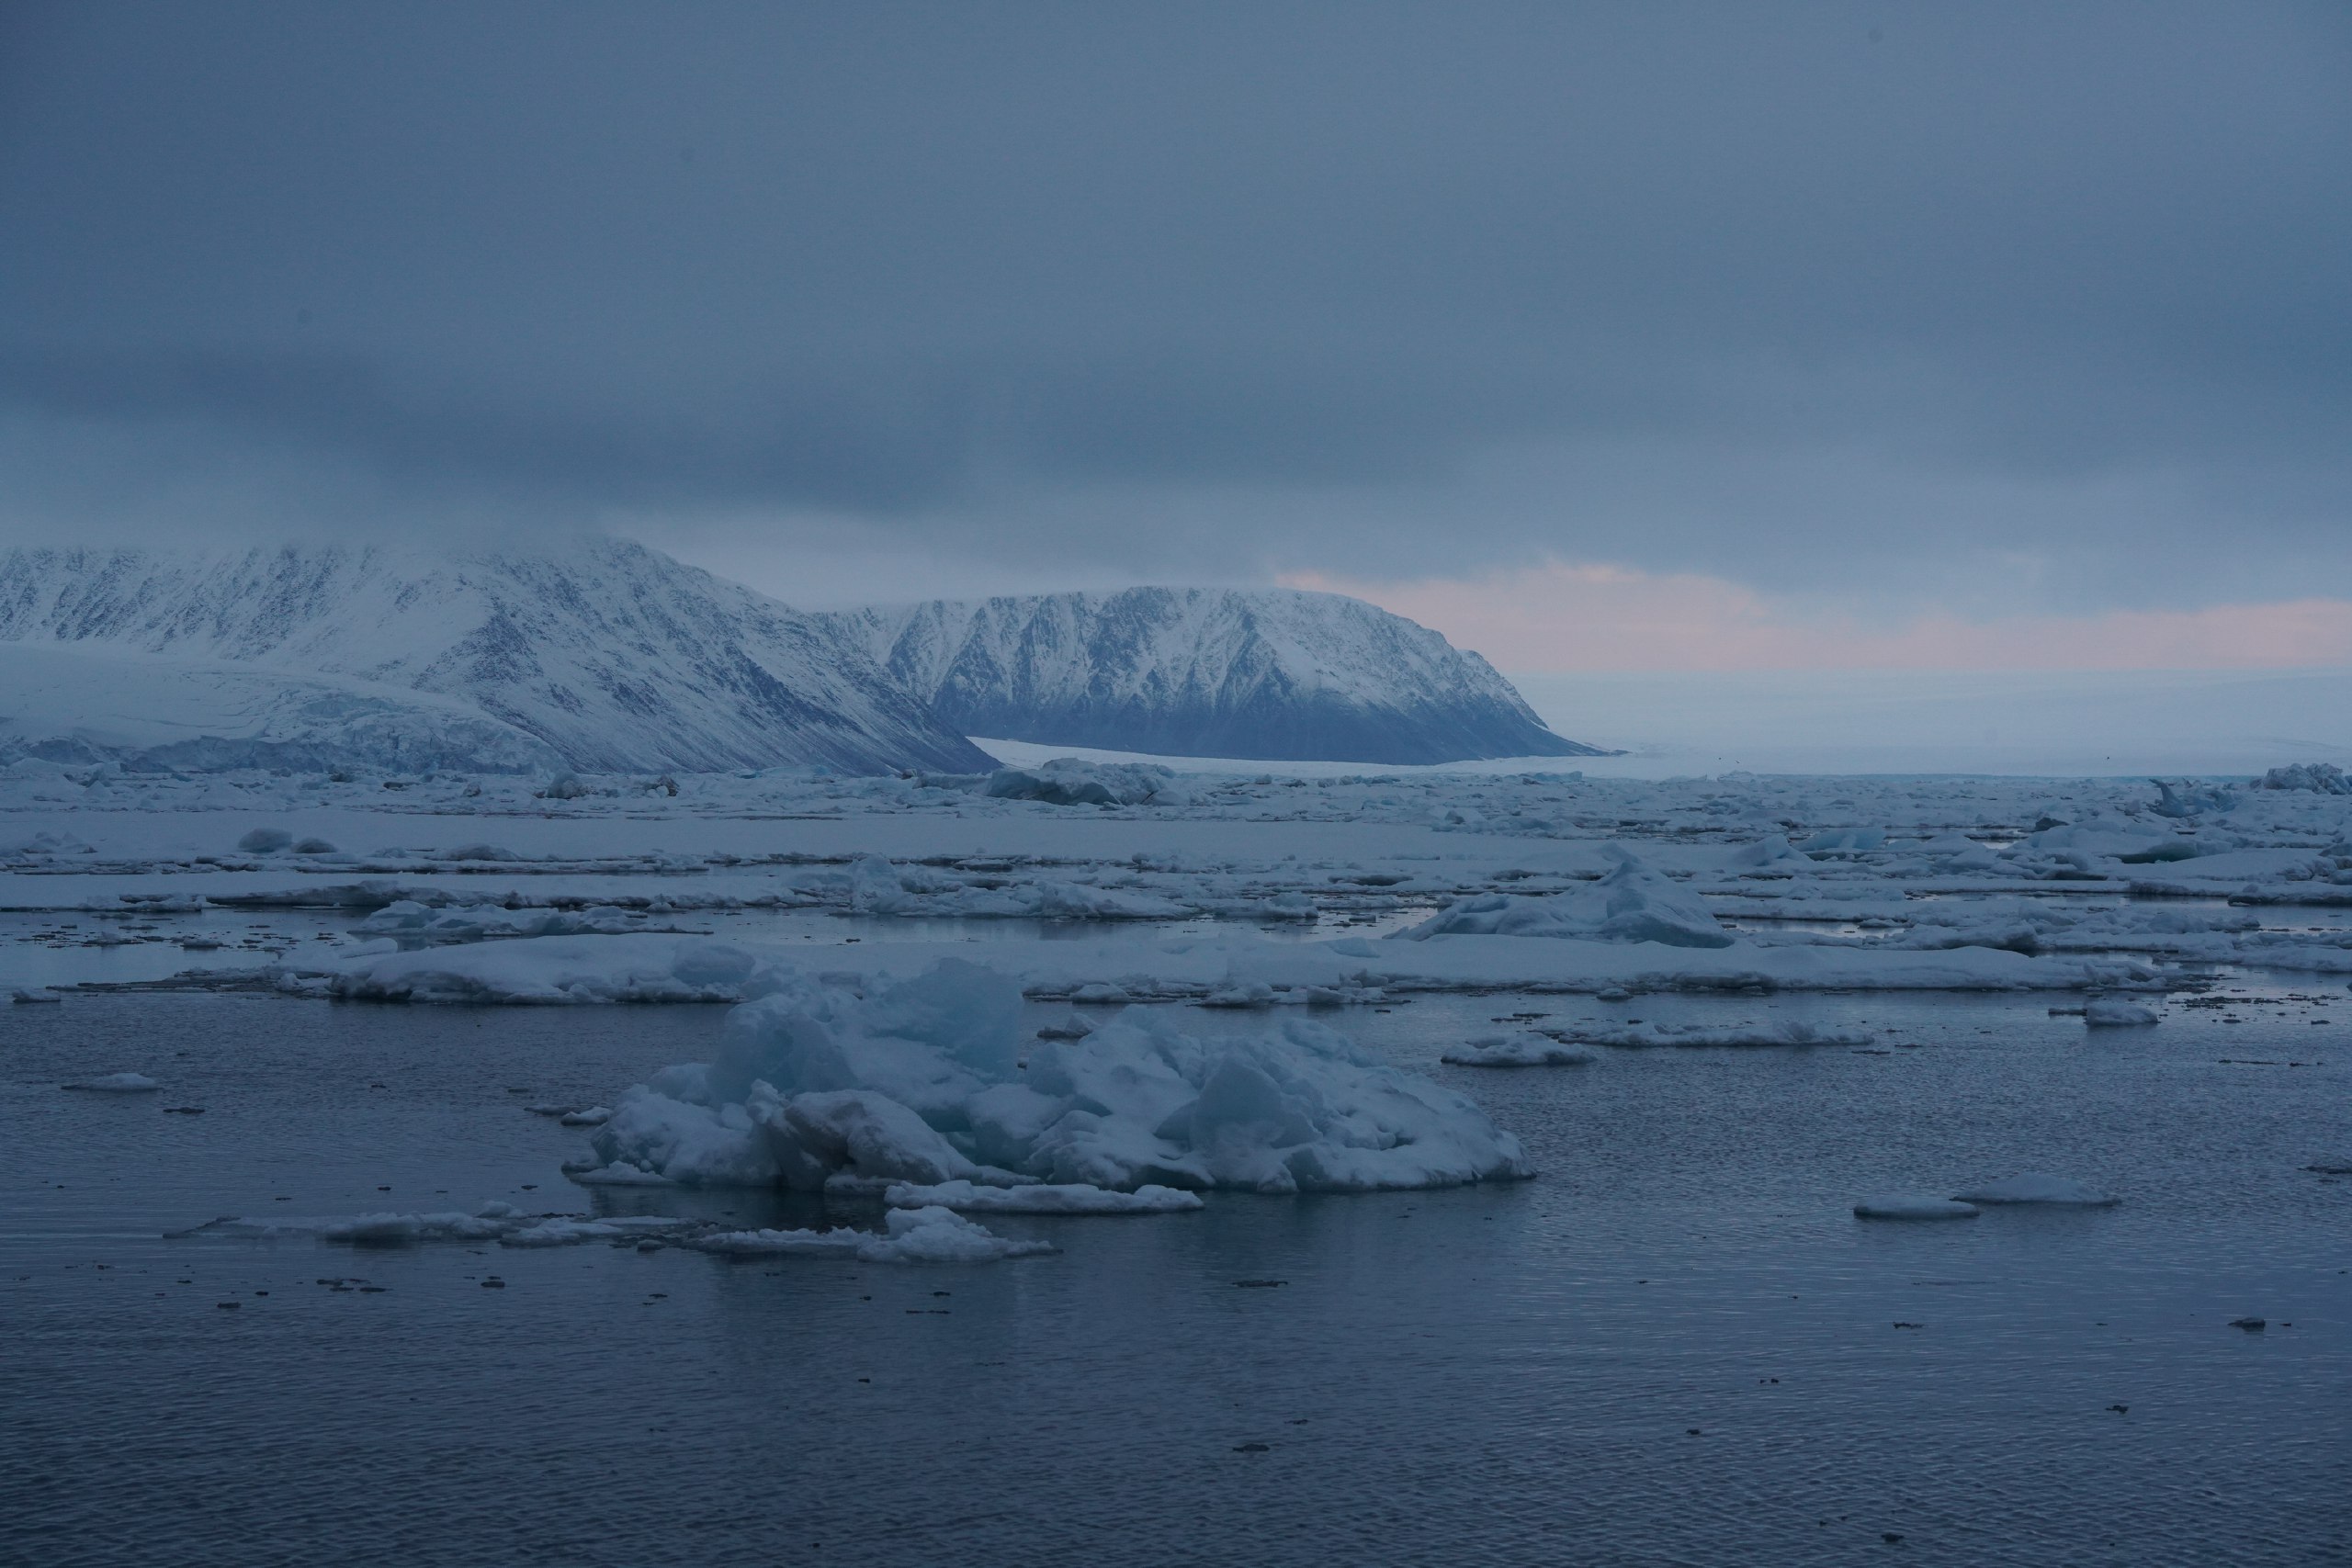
(1677, 1345)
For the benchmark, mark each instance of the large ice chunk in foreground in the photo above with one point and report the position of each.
(1633, 903)
(925, 1082)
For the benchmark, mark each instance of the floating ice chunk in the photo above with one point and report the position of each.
(1070, 1028)
(1524, 1049)
(1787, 1031)
(1633, 903)
(266, 841)
(858, 1132)
(1068, 1197)
(924, 1078)
(2035, 1188)
(1903, 1206)
(910, 1235)
(118, 1083)
(1243, 993)
(1774, 851)
(941, 1235)
(620, 1173)
(593, 1116)
(572, 1230)
(1844, 840)
(414, 1230)
(1100, 992)
(36, 996)
(2108, 1012)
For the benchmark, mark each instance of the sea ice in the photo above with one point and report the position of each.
(925, 1081)
(1066, 1197)
(1524, 1049)
(1905, 1206)
(1788, 1032)
(1633, 903)
(2035, 1188)
(2109, 1012)
(910, 1235)
(118, 1083)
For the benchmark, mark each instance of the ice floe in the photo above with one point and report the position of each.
(2111, 1012)
(1523, 1049)
(2035, 1188)
(932, 1079)
(118, 1083)
(1042, 1198)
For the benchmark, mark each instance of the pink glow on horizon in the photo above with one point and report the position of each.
(1560, 617)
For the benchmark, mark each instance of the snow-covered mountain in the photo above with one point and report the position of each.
(1270, 673)
(79, 702)
(615, 655)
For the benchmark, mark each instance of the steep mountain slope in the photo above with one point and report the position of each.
(1272, 673)
(615, 655)
(78, 702)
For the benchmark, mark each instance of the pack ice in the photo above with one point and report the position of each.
(934, 1081)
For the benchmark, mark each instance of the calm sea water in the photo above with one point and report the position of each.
(1677, 1346)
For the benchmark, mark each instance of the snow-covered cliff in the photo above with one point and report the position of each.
(615, 655)
(1270, 673)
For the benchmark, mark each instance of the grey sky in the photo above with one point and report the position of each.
(1964, 304)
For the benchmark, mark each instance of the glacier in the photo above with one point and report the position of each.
(1275, 674)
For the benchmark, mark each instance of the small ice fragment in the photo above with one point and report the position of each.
(118, 1083)
(595, 1116)
(2251, 1325)
(266, 841)
(2035, 1188)
(1524, 1049)
(1066, 1197)
(36, 995)
(1904, 1206)
(2108, 1012)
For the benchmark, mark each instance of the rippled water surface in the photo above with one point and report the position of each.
(1677, 1346)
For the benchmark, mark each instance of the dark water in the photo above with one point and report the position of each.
(1501, 1375)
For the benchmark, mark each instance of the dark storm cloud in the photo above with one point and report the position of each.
(1771, 291)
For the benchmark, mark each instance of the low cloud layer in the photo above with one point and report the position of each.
(1986, 310)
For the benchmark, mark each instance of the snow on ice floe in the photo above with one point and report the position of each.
(2035, 1188)
(1523, 1049)
(2111, 1012)
(118, 1083)
(934, 1080)
(1633, 903)
(1042, 1198)
(1910, 1206)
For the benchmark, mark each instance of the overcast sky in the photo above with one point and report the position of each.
(1866, 316)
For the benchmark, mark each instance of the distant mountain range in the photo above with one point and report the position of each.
(616, 656)
(1263, 673)
(609, 657)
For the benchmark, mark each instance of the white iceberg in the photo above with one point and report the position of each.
(925, 1082)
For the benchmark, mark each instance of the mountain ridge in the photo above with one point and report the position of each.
(617, 657)
(1270, 674)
